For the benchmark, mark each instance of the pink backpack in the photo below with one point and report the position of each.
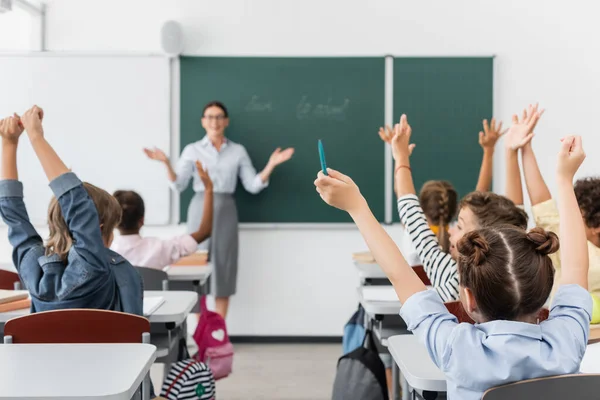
(214, 347)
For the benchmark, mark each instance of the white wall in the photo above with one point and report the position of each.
(15, 30)
(301, 282)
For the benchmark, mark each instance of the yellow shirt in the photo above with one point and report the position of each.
(546, 216)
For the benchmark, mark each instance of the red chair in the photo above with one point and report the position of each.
(78, 326)
(420, 271)
(9, 280)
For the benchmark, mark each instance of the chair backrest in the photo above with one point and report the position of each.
(456, 308)
(420, 271)
(77, 326)
(579, 386)
(9, 280)
(154, 279)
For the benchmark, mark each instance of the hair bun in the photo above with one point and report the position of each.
(473, 248)
(545, 242)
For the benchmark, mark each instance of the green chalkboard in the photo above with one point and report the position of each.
(445, 100)
(293, 102)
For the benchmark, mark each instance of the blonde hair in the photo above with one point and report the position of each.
(60, 239)
(439, 201)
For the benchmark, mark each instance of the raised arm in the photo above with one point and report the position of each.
(573, 242)
(439, 266)
(487, 140)
(205, 228)
(78, 209)
(340, 191)
(536, 187)
(21, 233)
(518, 136)
(52, 165)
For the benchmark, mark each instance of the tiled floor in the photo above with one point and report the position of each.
(277, 372)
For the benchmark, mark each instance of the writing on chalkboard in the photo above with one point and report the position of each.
(257, 105)
(305, 109)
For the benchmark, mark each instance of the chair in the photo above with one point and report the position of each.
(80, 326)
(420, 271)
(456, 308)
(578, 386)
(154, 279)
(9, 280)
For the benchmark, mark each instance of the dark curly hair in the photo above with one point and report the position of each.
(587, 191)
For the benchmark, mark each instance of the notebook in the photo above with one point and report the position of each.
(151, 304)
(6, 296)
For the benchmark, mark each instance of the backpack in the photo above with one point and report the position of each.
(214, 347)
(189, 379)
(354, 331)
(360, 374)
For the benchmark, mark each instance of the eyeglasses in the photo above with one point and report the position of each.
(214, 117)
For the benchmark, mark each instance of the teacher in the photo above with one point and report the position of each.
(224, 161)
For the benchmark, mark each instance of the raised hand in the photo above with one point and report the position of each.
(156, 154)
(490, 134)
(387, 134)
(521, 131)
(208, 185)
(280, 156)
(339, 190)
(570, 157)
(11, 128)
(32, 122)
(401, 147)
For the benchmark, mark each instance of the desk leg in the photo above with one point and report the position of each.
(405, 389)
(395, 381)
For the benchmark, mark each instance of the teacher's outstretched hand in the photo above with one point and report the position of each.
(278, 157)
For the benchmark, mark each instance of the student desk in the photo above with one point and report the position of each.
(174, 310)
(419, 371)
(197, 274)
(73, 371)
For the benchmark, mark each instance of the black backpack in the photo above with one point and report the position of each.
(361, 374)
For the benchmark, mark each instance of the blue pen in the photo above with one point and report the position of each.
(322, 157)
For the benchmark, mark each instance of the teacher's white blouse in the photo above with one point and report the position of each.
(223, 167)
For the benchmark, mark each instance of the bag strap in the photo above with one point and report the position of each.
(192, 362)
(368, 341)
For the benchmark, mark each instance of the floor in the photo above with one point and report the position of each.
(277, 372)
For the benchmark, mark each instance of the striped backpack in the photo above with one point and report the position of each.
(189, 379)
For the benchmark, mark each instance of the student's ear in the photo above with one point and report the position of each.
(469, 302)
(141, 223)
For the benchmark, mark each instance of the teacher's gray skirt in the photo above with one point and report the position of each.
(223, 243)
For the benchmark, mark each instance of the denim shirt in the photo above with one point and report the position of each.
(92, 275)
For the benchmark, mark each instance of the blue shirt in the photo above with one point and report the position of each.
(223, 167)
(92, 275)
(478, 357)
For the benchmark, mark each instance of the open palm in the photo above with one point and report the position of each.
(280, 156)
(521, 131)
(156, 154)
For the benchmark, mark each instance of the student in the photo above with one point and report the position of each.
(75, 269)
(476, 210)
(506, 277)
(545, 211)
(439, 199)
(154, 252)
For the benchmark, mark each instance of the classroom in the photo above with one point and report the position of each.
(202, 132)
